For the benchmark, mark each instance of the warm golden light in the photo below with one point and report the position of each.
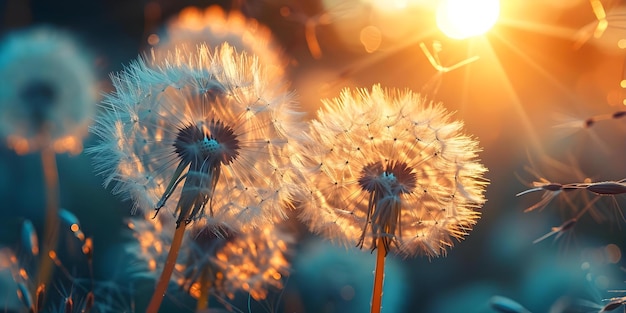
(460, 19)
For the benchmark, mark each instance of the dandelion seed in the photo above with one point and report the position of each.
(199, 131)
(558, 231)
(388, 170)
(48, 94)
(598, 189)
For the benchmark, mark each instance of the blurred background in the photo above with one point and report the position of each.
(524, 87)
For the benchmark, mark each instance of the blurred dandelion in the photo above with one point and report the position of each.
(216, 122)
(47, 100)
(48, 95)
(390, 171)
(213, 26)
(252, 262)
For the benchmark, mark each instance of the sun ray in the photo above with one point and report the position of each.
(488, 53)
(543, 29)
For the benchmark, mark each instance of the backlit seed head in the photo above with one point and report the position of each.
(387, 166)
(253, 262)
(200, 133)
(213, 26)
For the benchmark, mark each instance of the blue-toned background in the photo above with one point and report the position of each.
(534, 71)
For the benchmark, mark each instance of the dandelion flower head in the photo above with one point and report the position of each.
(252, 262)
(48, 93)
(213, 26)
(202, 134)
(387, 164)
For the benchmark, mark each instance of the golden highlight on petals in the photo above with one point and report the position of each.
(254, 262)
(201, 133)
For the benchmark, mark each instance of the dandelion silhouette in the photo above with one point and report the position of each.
(218, 264)
(390, 171)
(47, 100)
(202, 134)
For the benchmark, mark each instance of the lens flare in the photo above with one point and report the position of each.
(460, 19)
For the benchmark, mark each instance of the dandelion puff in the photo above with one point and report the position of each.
(224, 263)
(388, 165)
(386, 170)
(213, 26)
(202, 134)
(48, 93)
(47, 100)
(207, 128)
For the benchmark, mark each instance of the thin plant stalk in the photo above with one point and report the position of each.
(51, 226)
(205, 285)
(379, 274)
(168, 269)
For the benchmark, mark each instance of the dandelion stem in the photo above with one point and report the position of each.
(51, 179)
(379, 273)
(205, 284)
(161, 287)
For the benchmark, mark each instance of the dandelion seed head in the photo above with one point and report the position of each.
(202, 134)
(48, 95)
(252, 262)
(387, 164)
(213, 26)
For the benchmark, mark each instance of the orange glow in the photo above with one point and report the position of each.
(371, 38)
(71, 144)
(153, 39)
(18, 144)
(88, 247)
(460, 19)
(598, 11)
(23, 274)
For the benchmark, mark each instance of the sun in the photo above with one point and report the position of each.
(460, 19)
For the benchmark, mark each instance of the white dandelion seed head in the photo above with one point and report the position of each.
(167, 115)
(253, 262)
(48, 93)
(400, 158)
